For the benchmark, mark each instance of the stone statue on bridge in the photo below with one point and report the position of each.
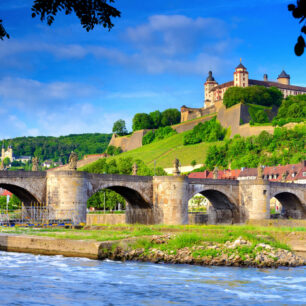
(35, 164)
(284, 176)
(215, 173)
(2, 166)
(73, 160)
(260, 172)
(176, 165)
(134, 169)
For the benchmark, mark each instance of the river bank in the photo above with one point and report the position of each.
(244, 246)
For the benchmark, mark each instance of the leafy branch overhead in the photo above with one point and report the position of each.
(3, 33)
(299, 12)
(90, 12)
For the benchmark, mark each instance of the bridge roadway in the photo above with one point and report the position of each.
(159, 199)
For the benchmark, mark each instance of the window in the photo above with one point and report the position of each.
(304, 173)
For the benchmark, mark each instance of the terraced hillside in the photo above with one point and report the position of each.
(165, 151)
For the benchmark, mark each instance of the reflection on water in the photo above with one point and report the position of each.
(55, 280)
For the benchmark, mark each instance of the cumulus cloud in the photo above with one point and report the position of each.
(31, 108)
(165, 43)
(176, 34)
(26, 94)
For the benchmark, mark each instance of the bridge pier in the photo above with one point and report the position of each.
(255, 198)
(170, 199)
(67, 194)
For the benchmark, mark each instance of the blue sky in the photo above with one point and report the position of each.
(59, 80)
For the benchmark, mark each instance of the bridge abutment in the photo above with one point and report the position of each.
(170, 199)
(255, 198)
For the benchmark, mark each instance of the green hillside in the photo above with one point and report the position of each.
(55, 148)
(166, 150)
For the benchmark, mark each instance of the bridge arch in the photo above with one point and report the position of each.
(292, 204)
(25, 196)
(137, 191)
(224, 207)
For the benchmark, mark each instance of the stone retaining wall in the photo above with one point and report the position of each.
(105, 219)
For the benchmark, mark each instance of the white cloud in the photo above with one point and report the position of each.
(176, 34)
(31, 108)
(165, 43)
(26, 94)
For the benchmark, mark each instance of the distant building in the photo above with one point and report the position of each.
(47, 163)
(295, 173)
(10, 154)
(7, 153)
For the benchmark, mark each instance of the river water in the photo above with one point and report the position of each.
(27, 279)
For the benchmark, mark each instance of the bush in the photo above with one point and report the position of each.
(257, 115)
(159, 134)
(283, 147)
(208, 131)
(292, 109)
(142, 121)
(112, 150)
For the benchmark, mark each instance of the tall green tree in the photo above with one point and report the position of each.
(142, 121)
(156, 119)
(170, 116)
(119, 127)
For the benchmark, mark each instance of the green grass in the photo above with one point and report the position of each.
(185, 235)
(166, 150)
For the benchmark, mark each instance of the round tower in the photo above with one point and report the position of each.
(208, 86)
(241, 76)
(284, 78)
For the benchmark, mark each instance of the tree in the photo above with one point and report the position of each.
(156, 119)
(141, 121)
(89, 12)
(170, 116)
(119, 127)
(258, 95)
(299, 12)
(6, 161)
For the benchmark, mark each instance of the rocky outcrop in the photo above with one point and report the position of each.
(240, 253)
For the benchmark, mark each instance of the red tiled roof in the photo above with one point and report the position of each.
(222, 174)
(276, 84)
(293, 172)
(273, 173)
(6, 193)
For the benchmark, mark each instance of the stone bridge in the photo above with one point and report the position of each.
(158, 199)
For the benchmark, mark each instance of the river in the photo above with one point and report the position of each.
(27, 279)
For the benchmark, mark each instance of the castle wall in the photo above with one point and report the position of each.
(128, 143)
(189, 125)
(118, 141)
(188, 113)
(230, 117)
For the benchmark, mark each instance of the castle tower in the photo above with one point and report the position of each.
(208, 86)
(241, 76)
(2, 152)
(284, 78)
(10, 153)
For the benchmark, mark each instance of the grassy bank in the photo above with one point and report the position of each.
(208, 233)
(243, 245)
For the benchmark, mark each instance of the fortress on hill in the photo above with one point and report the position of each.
(236, 118)
(214, 92)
